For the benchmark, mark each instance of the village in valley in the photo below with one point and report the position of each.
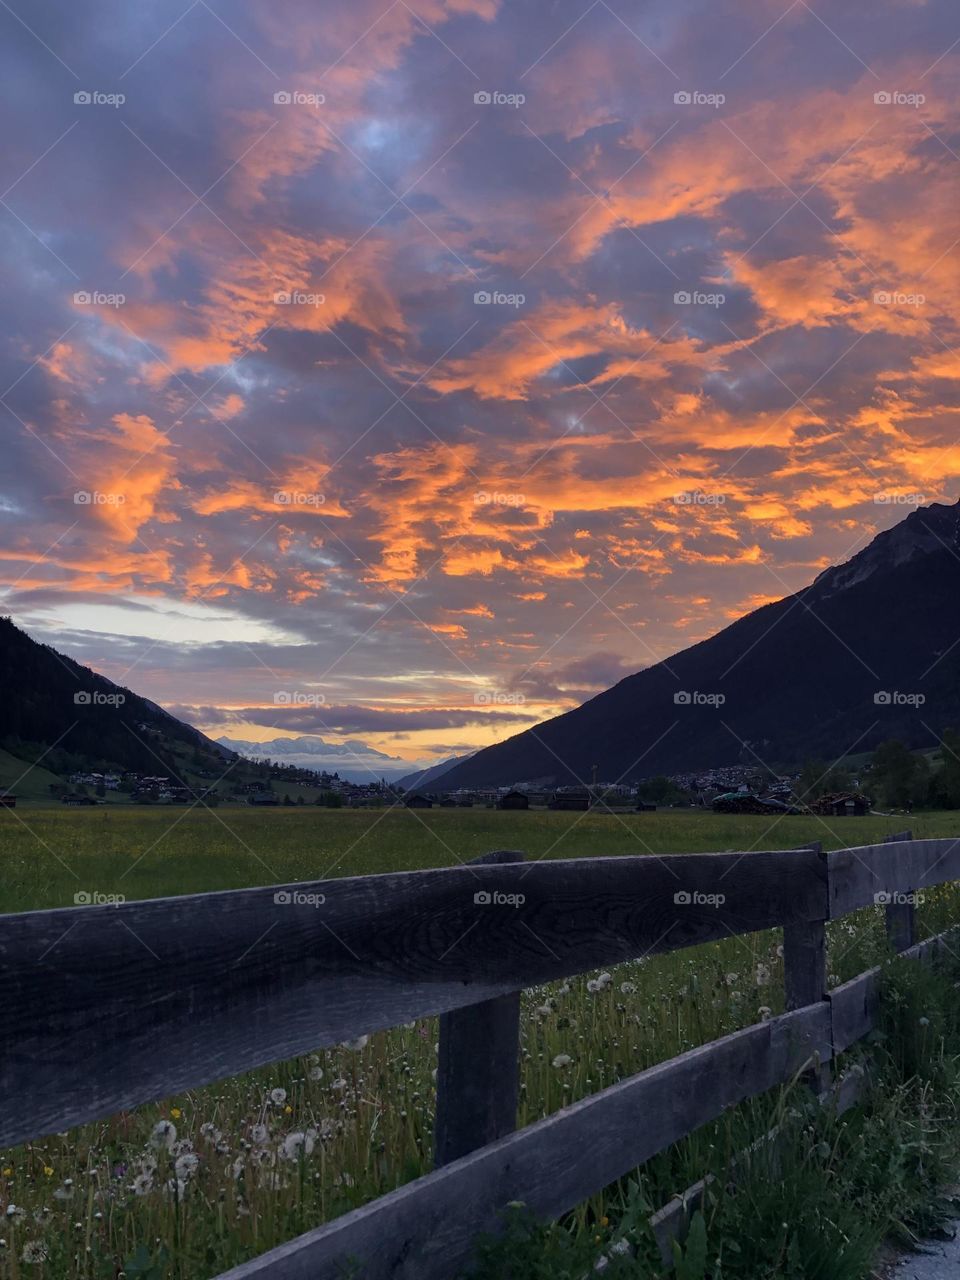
(727, 789)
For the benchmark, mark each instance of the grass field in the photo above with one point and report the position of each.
(47, 853)
(193, 1184)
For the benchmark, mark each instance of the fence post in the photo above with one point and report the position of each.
(805, 969)
(901, 916)
(478, 1068)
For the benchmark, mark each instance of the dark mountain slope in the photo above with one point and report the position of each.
(50, 701)
(798, 678)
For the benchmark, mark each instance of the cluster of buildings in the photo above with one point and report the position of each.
(614, 796)
(156, 788)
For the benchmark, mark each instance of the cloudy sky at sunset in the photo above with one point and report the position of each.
(404, 374)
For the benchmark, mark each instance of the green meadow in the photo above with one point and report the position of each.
(49, 852)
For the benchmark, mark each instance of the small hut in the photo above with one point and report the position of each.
(514, 800)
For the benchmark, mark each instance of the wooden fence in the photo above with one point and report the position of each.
(107, 1007)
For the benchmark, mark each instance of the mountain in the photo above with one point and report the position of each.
(869, 651)
(426, 777)
(54, 709)
(353, 760)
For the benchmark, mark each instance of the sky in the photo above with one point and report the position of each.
(399, 375)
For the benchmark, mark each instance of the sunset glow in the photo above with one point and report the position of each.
(407, 374)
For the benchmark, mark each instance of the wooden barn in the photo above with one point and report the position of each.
(574, 799)
(840, 804)
(514, 800)
(7, 800)
(417, 801)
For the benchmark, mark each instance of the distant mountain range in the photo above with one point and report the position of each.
(353, 760)
(75, 718)
(424, 778)
(869, 651)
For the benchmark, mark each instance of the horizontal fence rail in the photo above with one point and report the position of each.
(860, 877)
(107, 1007)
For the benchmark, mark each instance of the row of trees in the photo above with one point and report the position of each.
(896, 778)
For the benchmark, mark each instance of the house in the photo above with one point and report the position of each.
(7, 800)
(417, 801)
(261, 798)
(514, 800)
(573, 799)
(839, 804)
(644, 806)
(74, 799)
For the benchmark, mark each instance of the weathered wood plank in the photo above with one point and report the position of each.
(901, 911)
(857, 876)
(854, 1008)
(145, 999)
(425, 1230)
(478, 1068)
(805, 957)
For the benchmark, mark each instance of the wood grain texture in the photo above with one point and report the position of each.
(857, 875)
(425, 1230)
(478, 1068)
(901, 916)
(106, 1007)
(853, 1008)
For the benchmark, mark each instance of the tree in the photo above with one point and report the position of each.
(817, 778)
(893, 772)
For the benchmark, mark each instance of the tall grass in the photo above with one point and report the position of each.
(219, 1174)
(186, 1188)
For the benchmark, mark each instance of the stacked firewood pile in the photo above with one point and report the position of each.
(740, 804)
